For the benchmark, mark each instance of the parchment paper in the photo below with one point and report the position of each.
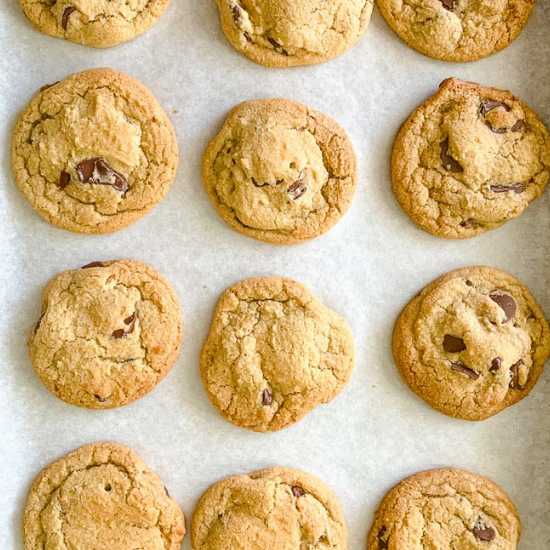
(367, 268)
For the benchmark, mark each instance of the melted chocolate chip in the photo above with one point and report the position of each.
(449, 163)
(93, 264)
(131, 319)
(459, 366)
(502, 188)
(496, 363)
(267, 397)
(118, 333)
(64, 179)
(97, 171)
(453, 344)
(514, 372)
(382, 544)
(65, 17)
(488, 105)
(449, 4)
(297, 491)
(483, 532)
(506, 303)
(298, 188)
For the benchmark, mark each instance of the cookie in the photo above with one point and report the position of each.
(469, 159)
(472, 343)
(275, 509)
(289, 33)
(109, 332)
(456, 30)
(97, 23)
(443, 509)
(101, 495)
(279, 171)
(274, 353)
(94, 152)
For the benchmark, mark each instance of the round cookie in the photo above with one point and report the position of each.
(457, 30)
(274, 353)
(445, 508)
(472, 343)
(109, 332)
(94, 152)
(101, 495)
(280, 172)
(97, 23)
(276, 509)
(289, 33)
(469, 159)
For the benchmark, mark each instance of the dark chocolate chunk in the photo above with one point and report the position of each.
(93, 264)
(449, 163)
(453, 344)
(298, 188)
(267, 397)
(514, 372)
(483, 532)
(65, 17)
(97, 171)
(506, 303)
(496, 363)
(459, 366)
(64, 179)
(502, 188)
(297, 491)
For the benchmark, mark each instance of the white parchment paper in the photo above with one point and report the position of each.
(367, 268)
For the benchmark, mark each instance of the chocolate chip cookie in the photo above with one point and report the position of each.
(101, 495)
(472, 343)
(443, 509)
(109, 332)
(94, 152)
(279, 171)
(274, 353)
(287, 33)
(469, 159)
(97, 23)
(457, 30)
(276, 509)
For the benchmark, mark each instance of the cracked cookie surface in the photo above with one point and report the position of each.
(457, 30)
(276, 508)
(280, 172)
(288, 33)
(472, 343)
(469, 159)
(101, 495)
(97, 23)
(443, 509)
(94, 152)
(274, 353)
(109, 332)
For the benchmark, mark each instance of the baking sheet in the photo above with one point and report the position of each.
(367, 268)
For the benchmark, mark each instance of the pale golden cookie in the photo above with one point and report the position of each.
(469, 159)
(272, 509)
(97, 23)
(445, 509)
(109, 332)
(472, 343)
(287, 33)
(101, 496)
(457, 30)
(279, 171)
(274, 353)
(94, 152)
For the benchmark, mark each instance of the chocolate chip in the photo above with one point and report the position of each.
(453, 344)
(469, 223)
(100, 399)
(108, 487)
(496, 363)
(298, 188)
(483, 532)
(449, 163)
(236, 10)
(449, 4)
(64, 179)
(506, 303)
(131, 319)
(382, 544)
(514, 371)
(469, 283)
(267, 397)
(65, 17)
(93, 264)
(297, 491)
(488, 105)
(166, 491)
(459, 366)
(37, 325)
(97, 171)
(515, 187)
(118, 333)
(519, 126)
(278, 47)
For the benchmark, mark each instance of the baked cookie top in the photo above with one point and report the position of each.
(94, 152)
(288, 33)
(469, 159)
(97, 23)
(279, 171)
(276, 508)
(457, 30)
(274, 353)
(472, 343)
(443, 509)
(109, 332)
(101, 495)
